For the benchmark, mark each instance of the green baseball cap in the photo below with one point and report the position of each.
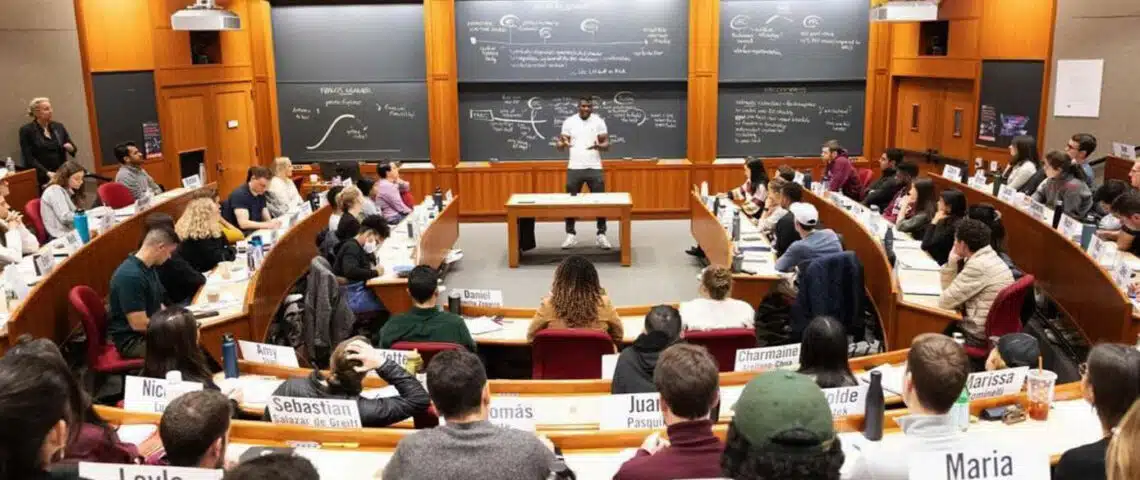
(777, 402)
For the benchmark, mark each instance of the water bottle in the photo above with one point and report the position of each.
(736, 225)
(874, 409)
(960, 412)
(10, 165)
(1058, 210)
(807, 180)
(80, 223)
(875, 210)
(716, 206)
(737, 262)
(229, 355)
(437, 199)
(455, 302)
(998, 179)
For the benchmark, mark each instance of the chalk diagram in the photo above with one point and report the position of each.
(744, 22)
(360, 127)
(514, 24)
(623, 107)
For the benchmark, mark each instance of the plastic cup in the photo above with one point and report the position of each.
(1039, 390)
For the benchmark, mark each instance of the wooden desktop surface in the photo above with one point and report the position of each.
(432, 248)
(556, 206)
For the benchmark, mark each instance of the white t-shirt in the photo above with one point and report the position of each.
(709, 314)
(583, 135)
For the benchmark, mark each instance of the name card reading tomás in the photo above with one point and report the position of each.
(847, 400)
(271, 354)
(481, 298)
(314, 412)
(193, 181)
(153, 394)
(115, 471)
(952, 172)
(629, 411)
(996, 383)
(767, 358)
(980, 463)
(609, 364)
(512, 412)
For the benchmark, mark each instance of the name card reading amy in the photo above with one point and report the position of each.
(153, 394)
(980, 463)
(481, 298)
(113, 471)
(847, 400)
(767, 358)
(996, 383)
(271, 354)
(314, 412)
(633, 410)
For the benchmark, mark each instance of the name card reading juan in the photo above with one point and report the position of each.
(632, 411)
(314, 412)
(767, 358)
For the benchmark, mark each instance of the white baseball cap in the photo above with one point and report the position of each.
(805, 213)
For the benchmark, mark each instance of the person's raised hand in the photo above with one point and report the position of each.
(362, 352)
(654, 443)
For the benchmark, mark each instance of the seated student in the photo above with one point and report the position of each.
(172, 344)
(468, 446)
(247, 207)
(16, 241)
(131, 173)
(350, 202)
(972, 279)
(1110, 382)
(754, 192)
(1014, 350)
(1108, 227)
(782, 428)
(350, 361)
(232, 233)
(356, 262)
(61, 199)
(195, 430)
(766, 209)
(331, 199)
(283, 194)
(1126, 208)
(34, 413)
(786, 172)
(774, 208)
(936, 371)
(785, 233)
(367, 188)
(887, 186)
(812, 244)
(577, 300)
(1024, 164)
(202, 242)
(180, 280)
(388, 193)
(1123, 455)
(636, 363)
(137, 293)
(839, 173)
(688, 381)
(274, 466)
(1064, 182)
(939, 238)
(918, 209)
(823, 354)
(715, 308)
(990, 216)
(425, 322)
(1080, 148)
(907, 173)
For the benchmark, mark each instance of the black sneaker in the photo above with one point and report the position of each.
(696, 251)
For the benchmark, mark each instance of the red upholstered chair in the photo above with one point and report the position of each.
(1005, 315)
(32, 210)
(408, 199)
(298, 181)
(723, 344)
(115, 195)
(567, 354)
(865, 177)
(102, 357)
(427, 349)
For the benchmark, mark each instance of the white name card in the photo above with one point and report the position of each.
(481, 298)
(1037, 209)
(1124, 150)
(1122, 273)
(798, 177)
(114, 471)
(43, 263)
(847, 400)
(1006, 193)
(1071, 228)
(307, 208)
(609, 364)
(996, 383)
(399, 357)
(1096, 247)
(73, 240)
(512, 412)
(271, 354)
(142, 394)
(767, 358)
(193, 181)
(952, 172)
(314, 412)
(977, 182)
(632, 411)
(980, 463)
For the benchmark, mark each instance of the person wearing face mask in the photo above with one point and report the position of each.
(356, 262)
(15, 239)
(61, 198)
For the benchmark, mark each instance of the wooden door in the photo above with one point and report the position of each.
(915, 114)
(956, 120)
(236, 134)
(184, 115)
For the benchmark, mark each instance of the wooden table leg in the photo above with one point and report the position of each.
(512, 238)
(626, 237)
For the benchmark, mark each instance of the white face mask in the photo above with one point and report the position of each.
(370, 247)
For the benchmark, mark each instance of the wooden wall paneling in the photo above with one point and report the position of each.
(955, 136)
(184, 114)
(423, 182)
(265, 80)
(915, 114)
(904, 39)
(553, 180)
(237, 44)
(654, 189)
(963, 39)
(22, 188)
(442, 78)
(115, 35)
(236, 141)
(960, 9)
(162, 172)
(266, 119)
(704, 44)
(203, 75)
(878, 90)
(88, 87)
(934, 67)
(1017, 29)
(485, 190)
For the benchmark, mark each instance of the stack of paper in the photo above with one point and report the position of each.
(892, 377)
(481, 325)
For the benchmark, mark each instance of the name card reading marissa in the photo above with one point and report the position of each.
(978, 463)
(767, 358)
(142, 394)
(314, 412)
(996, 383)
(271, 354)
(629, 411)
(113, 471)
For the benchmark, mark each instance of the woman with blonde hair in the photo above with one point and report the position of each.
(44, 143)
(577, 300)
(62, 198)
(283, 194)
(716, 309)
(204, 244)
(773, 206)
(1124, 449)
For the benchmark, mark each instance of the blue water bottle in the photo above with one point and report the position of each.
(80, 223)
(229, 355)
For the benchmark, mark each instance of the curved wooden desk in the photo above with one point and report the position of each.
(435, 242)
(716, 242)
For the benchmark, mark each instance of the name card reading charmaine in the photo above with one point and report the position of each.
(142, 394)
(767, 358)
(980, 463)
(630, 411)
(996, 383)
(314, 412)
(114, 471)
(271, 354)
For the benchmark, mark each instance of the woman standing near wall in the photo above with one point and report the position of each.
(44, 143)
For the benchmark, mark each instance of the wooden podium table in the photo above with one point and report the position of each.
(556, 206)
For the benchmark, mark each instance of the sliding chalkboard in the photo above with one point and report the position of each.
(1010, 101)
(572, 40)
(357, 121)
(523, 123)
(793, 40)
(123, 103)
(792, 120)
(349, 43)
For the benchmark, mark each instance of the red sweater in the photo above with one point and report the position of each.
(693, 452)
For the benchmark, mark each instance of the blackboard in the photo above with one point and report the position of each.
(123, 103)
(1010, 101)
(349, 43)
(572, 40)
(356, 121)
(793, 40)
(523, 123)
(789, 120)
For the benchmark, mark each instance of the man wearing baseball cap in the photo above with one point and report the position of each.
(812, 244)
(1014, 350)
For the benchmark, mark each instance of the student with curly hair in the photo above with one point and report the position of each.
(577, 300)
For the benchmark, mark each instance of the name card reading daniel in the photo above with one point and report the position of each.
(996, 383)
(114, 471)
(481, 298)
(142, 394)
(630, 411)
(314, 412)
(767, 358)
(847, 400)
(271, 354)
(980, 463)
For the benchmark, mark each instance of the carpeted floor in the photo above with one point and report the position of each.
(661, 271)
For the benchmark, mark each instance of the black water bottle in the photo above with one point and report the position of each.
(1058, 210)
(874, 409)
(738, 262)
(736, 226)
(998, 179)
(455, 302)
(437, 199)
(807, 180)
(716, 206)
(229, 355)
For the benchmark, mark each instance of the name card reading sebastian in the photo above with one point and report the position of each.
(314, 412)
(767, 358)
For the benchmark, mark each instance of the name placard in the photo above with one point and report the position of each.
(1037, 209)
(73, 240)
(847, 400)
(980, 463)
(952, 172)
(271, 354)
(1006, 193)
(977, 183)
(481, 298)
(1071, 228)
(1121, 273)
(314, 412)
(193, 181)
(399, 357)
(609, 364)
(306, 209)
(43, 263)
(1096, 247)
(767, 358)
(996, 383)
(629, 411)
(512, 412)
(115, 471)
(142, 394)
(798, 177)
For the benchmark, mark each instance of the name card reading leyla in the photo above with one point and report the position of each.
(980, 463)
(629, 411)
(996, 383)
(153, 394)
(113, 471)
(271, 354)
(767, 358)
(314, 412)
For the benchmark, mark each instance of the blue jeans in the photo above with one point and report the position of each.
(361, 299)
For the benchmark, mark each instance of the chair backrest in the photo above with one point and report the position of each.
(93, 317)
(32, 210)
(427, 349)
(1005, 313)
(115, 195)
(567, 354)
(865, 176)
(723, 344)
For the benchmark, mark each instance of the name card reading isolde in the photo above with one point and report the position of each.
(153, 394)
(847, 400)
(314, 412)
(767, 358)
(629, 411)
(114, 471)
(271, 354)
(996, 383)
(980, 463)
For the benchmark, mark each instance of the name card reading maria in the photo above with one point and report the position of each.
(980, 463)
(271, 354)
(767, 358)
(481, 298)
(142, 394)
(847, 400)
(629, 411)
(314, 412)
(996, 383)
(114, 471)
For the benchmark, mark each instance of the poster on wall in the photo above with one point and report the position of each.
(987, 124)
(152, 140)
(1010, 101)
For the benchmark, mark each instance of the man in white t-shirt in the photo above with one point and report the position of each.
(586, 136)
